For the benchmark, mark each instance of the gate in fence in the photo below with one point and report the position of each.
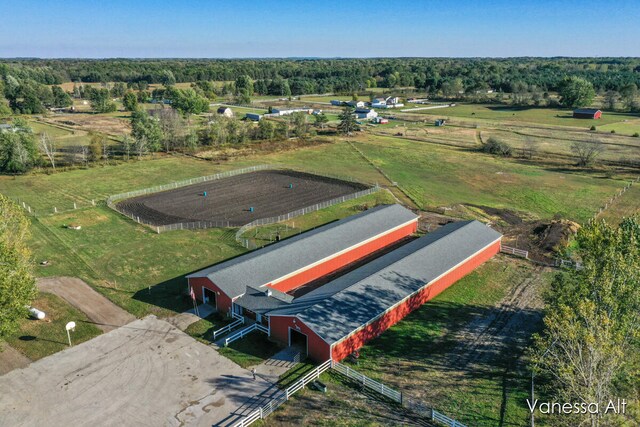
(514, 251)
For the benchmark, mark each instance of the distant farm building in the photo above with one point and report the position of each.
(386, 102)
(254, 116)
(288, 111)
(380, 120)
(334, 319)
(225, 111)
(587, 113)
(366, 113)
(356, 104)
(336, 102)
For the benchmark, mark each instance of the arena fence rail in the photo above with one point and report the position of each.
(111, 201)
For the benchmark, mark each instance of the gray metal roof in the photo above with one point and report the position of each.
(340, 307)
(263, 299)
(275, 261)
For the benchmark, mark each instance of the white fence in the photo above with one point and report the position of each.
(345, 370)
(412, 404)
(514, 251)
(368, 382)
(273, 220)
(568, 263)
(228, 328)
(200, 225)
(283, 396)
(246, 331)
(193, 225)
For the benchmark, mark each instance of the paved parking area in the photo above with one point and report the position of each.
(146, 373)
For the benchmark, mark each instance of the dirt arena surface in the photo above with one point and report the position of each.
(147, 373)
(230, 199)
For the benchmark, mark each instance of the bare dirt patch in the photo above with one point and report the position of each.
(106, 315)
(269, 193)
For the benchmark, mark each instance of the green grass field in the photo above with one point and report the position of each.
(511, 114)
(442, 176)
(44, 192)
(122, 259)
(626, 127)
(40, 338)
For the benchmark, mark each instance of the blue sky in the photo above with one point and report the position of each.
(348, 28)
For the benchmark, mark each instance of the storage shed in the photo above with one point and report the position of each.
(291, 263)
(338, 318)
(587, 113)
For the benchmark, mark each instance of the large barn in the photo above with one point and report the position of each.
(294, 262)
(339, 317)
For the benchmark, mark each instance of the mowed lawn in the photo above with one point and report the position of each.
(44, 192)
(39, 338)
(122, 259)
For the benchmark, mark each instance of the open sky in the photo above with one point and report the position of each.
(301, 28)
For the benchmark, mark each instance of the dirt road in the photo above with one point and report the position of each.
(508, 325)
(106, 315)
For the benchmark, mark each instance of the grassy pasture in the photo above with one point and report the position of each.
(625, 206)
(39, 338)
(442, 176)
(506, 113)
(626, 127)
(123, 259)
(43, 192)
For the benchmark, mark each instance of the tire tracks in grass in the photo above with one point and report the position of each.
(393, 183)
(55, 241)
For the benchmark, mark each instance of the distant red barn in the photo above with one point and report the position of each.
(587, 113)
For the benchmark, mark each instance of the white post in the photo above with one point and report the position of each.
(55, 210)
(75, 206)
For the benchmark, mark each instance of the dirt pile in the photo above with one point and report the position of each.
(554, 236)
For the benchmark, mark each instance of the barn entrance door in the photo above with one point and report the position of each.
(209, 297)
(298, 339)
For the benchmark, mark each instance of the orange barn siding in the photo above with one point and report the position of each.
(318, 348)
(223, 302)
(344, 259)
(355, 341)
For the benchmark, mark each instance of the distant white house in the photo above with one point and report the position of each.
(366, 113)
(225, 111)
(386, 102)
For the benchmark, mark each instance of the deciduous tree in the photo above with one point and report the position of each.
(17, 284)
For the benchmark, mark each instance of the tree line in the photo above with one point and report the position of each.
(339, 75)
